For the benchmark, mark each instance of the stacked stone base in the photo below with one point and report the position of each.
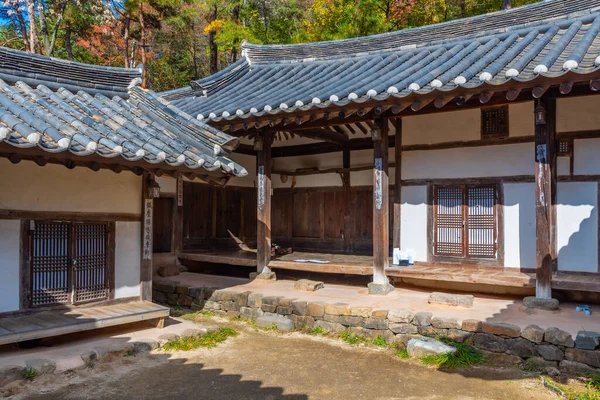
(534, 347)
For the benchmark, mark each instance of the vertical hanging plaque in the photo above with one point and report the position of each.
(180, 192)
(147, 234)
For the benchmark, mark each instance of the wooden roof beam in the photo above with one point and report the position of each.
(323, 134)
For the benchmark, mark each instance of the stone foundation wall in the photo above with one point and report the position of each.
(537, 348)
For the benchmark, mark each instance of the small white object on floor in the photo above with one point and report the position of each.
(312, 261)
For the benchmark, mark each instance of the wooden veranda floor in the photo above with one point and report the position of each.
(362, 265)
(43, 324)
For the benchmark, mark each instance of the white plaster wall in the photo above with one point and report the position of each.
(127, 259)
(26, 186)
(443, 127)
(10, 231)
(577, 114)
(321, 161)
(248, 162)
(413, 235)
(577, 226)
(521, 120)
(519, 225)
(563, 165)
(586, 160)
(167, 184)
(469, 162)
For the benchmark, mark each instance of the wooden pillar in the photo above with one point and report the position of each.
(545, 182)
(178, 219)
(381, 233)
(348, 203)
(146, 262)
(397, 184)
(263, 212)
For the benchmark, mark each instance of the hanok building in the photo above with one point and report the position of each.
(471, 146)
(80, 146)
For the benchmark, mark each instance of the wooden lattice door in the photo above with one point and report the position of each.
(68, 263)
(449, 222)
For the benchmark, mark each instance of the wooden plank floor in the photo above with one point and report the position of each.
(42, 324)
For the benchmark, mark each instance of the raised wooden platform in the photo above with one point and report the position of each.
(362, 265)
(43, 324)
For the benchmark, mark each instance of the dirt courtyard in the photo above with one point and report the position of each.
(268, 365)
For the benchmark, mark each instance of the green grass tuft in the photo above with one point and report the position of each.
(318, 331)
(210, 340)
(198, 315)
(354, 339)
(29, 374)
(466, 355)
(590, 391)
(380, 341)
(401, 354)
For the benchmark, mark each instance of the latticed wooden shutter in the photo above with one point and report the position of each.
(448, 224)
(90, 268)
(481, 221)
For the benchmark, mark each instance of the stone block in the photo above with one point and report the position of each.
(403, 328)
(418, 348)
(432, 332)
(207, 293)
(180, 289)
(400, 316)
(172, 299)
(533, 333)
(454, 300)
(489, 342)
(251, 313)
(364, 312)
(164, 287)
(558, 337)
(242, 298)
(381, 313)
(458, 335)
(195, 293)
(306, 285)
(159, 297)
(192, 332)
(110, 351)
(255, 300)
(223, 295)
(422, 318)
(212, 305)
(549, 352)
(263, 276)
(184, 300)
(285, 302)
(501, 358)
(587, 340)
(520, 347)
(380, 289)
(89, 357)
(70, 363)
(11, 373)
(445, 323)
(403, 338)
(271, 300)
(541, 304)
(501, 328)
(198, 305)
(299, 307)
(316, 309)
(375, 323)
(538, 364)
(337, 309)
(269, 308)
(282, 323)
(167, 270)
(359, 331)
(284, 310)
(41, 366)
(588, 357)
(345, 320)
(303, 322)
(167, 337)
(145, 345)
(330, 327)
(574, 367)
(471, 325)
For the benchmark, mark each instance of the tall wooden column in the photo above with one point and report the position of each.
(146, 262)
(348, 196)
(381, 207)
(545, 183)
(178, 219)
(397, 184)
(263, 214)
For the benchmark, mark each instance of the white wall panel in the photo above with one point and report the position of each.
(127, 259)
(413, 234)
(519, 225)
(586, 160)
(10, 231)
(577, 114)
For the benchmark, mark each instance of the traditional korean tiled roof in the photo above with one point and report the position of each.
(56, 114)
(546, 39)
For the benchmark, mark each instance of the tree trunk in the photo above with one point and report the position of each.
(59, 17)
(34, 41)
(127, 23)
(235, 17)
(22, 26)
(143, 45)
(506, 4)
(43, 26)
(214, 62)
(68, 41)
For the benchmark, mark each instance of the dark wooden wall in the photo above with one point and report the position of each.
(162, 232)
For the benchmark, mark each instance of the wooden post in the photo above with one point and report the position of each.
(178, 219)
(348, 203)
(146, 262)
(545, 125)
(381, 233)
(263, 212)
(397, 184)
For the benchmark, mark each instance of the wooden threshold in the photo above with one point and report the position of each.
(45, 324)
(464, 275)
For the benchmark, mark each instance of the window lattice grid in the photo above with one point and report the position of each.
(90, 268)
(50, 264)
(449, 236)
(494, 122)
(481, 222)
(563, 148)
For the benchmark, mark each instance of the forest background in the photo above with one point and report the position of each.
(178, 41)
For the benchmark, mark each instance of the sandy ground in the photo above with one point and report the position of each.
(268, 365)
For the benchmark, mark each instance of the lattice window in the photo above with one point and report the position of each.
(68, 263)
(494, 122)
(564, 148)
(465, 221)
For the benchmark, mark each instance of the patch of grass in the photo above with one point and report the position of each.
(129, 353)
(273, 327)
(29, 374)
(198, 315)
(589, 391)
(210, 340)
(401, 354)
(318, 331)
(353, 339)
(465, 355)
(178, 307)
(380, 341)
